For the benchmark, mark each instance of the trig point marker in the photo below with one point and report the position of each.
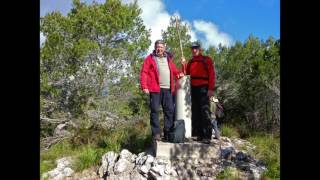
(183, 103)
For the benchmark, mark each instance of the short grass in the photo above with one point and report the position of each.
(89, 148)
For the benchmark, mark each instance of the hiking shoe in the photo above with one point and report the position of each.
(157, 137)
(165, 139)
(206, 141)
(199, 138)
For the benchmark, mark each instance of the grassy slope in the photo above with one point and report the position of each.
(136, 138)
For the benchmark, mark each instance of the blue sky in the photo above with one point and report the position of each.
(238, 18)
(210, 21)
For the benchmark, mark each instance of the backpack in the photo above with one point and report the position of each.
(219, 110)
(178, 133)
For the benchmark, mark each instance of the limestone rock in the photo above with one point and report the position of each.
(149, 159)
(122, 165)
(212, 159)
(125, 154)
(159, 169)
(62, 170)
(140, 160)
(144, 169)
(108, 162)
(68, 172)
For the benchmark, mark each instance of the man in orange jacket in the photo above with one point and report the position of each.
(202, 75)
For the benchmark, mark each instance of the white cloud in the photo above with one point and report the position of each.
(212, 35)
(192, 33)
(156, 17)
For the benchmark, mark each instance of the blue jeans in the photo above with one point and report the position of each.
(215, 128)
(165, 99)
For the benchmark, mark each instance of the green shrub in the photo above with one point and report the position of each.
(243, 130)
(229, 131)
(116, 138)
(61, 149)
(46, 166)
(48, 158)
(90, 144)
(229, 173)
(268, 150)
(87, 157)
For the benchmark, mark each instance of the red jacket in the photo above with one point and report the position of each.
(200, 75)
(149, 77)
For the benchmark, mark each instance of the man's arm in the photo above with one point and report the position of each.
(184, 66)
(144, 76)
(178, 74)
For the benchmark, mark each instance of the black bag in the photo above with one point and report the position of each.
(178, 133)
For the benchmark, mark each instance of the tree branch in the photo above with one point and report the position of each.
(58, 121)
(49, 141)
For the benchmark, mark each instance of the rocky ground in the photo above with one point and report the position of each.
(144, 165)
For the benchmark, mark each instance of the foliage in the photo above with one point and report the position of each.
(86, 52)
(91, 61)
(88, 146)
(229, 173)
(171, 37)
(47, 158)
(229, 131)
(268, 150)
(248, 82)
(87, 157)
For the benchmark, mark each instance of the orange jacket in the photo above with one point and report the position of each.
(200, 73)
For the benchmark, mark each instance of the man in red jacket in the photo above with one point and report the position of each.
(157, 80)
(202, 75)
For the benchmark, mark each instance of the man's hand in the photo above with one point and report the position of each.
(210, 93)
(180, 75)
(183, 60)
(146, 91)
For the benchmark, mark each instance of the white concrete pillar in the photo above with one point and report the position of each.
(183, 103)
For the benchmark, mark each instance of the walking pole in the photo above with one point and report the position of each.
(183, 100)
(177, 26)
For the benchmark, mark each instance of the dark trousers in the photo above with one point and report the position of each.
(174, 107)
(200, 119)
(165, 99)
